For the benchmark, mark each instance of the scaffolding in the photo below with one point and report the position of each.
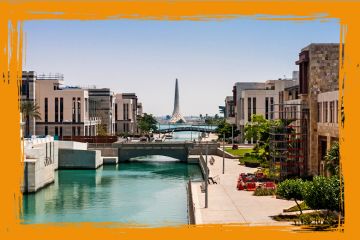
(288, 141)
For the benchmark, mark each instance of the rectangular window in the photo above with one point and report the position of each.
(86, 104)
(254, 106)
(46, 130)
(46, 110)
(249, 109)
(56, 109)
(61, 109)
(116, 112)
(73, 110)
(325, 112)
(61, 132)
(78, 131)
(242, 109)
(79, 109)
(56, 131)
(74, 131)
(266, 108)
(271, 108)
(332, 111)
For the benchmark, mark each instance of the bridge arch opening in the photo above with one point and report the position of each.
(154, 158)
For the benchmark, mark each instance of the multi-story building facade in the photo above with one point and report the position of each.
(64, 110)
(102, 105)
(319, 91)
(127, 110)
(257, 98)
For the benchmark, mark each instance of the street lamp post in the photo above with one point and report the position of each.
(223, 170)
(232, 134)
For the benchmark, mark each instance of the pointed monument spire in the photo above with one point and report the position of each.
(176, 116)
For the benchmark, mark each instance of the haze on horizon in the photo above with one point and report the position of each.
(146, 57)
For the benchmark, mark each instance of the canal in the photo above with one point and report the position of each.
(150, 191)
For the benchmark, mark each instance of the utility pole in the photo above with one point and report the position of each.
(223, 170)
(232, 134)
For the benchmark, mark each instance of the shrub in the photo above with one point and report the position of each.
(306, 219)
(251, 163)
(291, 189)
(323, 193)
(264, 192)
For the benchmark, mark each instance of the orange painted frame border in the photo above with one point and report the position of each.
(14, 12)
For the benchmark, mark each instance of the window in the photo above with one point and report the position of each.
(73, 131)
(266, 108)
(56, 109)
(79, 109)
(46, 130)
(61, 132)
(332, 111)
(325, 112)
(254, 106)
(61, 109)
(46, 109)
(78, 131)
(271, 108)
(116, 112)
(73, 110)
(56, 131)
(249, 109)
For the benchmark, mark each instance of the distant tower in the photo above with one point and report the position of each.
(176, 116)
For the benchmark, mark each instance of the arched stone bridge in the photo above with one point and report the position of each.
(126, 151)
(178, 150)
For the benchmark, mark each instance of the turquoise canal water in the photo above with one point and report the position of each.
(149, 191)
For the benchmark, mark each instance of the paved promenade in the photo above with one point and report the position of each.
(228, 205)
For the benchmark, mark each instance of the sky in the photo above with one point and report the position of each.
(145, 57)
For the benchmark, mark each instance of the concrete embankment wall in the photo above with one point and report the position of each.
(72, 145)
(79, 159)
(201, 149)
(40, 162)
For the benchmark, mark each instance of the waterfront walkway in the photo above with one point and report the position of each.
(228, 205)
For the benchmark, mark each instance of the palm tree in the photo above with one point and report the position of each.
(29, 110)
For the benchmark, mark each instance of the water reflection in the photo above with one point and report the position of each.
(145, 192)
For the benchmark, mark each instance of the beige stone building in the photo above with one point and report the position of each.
(127, 111)
(261, 98)
(319, 90)
(64, 109)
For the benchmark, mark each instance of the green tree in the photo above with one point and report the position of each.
(101, 130)
(146, 123)
(332, 159)
(29, 110)
(291, 189)
(323, 193)
(225, 128)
